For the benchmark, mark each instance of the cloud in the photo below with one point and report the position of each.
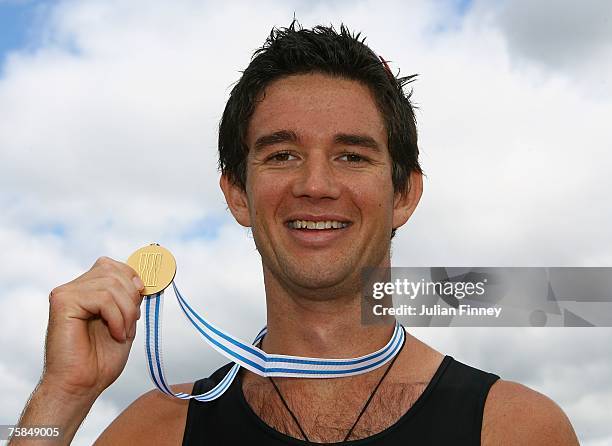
(558, 34)
(561, 38)
(107, 142)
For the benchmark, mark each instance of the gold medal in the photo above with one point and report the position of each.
(155, 266)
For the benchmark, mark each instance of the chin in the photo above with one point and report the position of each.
(326, 284)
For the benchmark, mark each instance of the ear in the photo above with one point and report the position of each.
(405, 203)
(236, 199)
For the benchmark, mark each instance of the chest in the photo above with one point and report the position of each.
(327, 416)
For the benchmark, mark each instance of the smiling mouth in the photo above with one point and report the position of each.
(317, 225)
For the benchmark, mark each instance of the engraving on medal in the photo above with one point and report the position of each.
(148, 267)
(156, 267)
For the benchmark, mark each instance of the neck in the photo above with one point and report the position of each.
(301, 326)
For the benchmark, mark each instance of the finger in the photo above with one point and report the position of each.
(134, 276)
(108, 278)
(125, 273)
(131, 273)
(110, 284)
(131, 335)
(102, 303)
(123, 298)
(128, 285)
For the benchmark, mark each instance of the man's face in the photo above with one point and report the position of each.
(318, 157)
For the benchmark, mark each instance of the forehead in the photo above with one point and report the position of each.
(317, 106)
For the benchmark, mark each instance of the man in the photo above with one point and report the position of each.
(319, 156)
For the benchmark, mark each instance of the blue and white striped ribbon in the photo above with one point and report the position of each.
(248, 356)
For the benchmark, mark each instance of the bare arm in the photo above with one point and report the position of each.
(92, 324)
(49, 406)
(154, 418)
(515, 414)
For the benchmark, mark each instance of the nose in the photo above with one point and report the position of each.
(316, 178)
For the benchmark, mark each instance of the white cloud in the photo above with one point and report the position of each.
(559, 34)
(107, 136)
(571, 39)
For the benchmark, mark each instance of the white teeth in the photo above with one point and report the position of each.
(308, 224)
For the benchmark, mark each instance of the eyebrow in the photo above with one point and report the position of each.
(350, 139)
(275, 138)
(284, 136)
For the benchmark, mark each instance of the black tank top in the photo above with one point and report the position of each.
(449, 411)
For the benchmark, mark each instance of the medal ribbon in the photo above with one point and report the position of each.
(248, 356)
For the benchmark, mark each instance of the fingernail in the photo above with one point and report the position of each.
(124, 335)
(138, 283)
(133, 331)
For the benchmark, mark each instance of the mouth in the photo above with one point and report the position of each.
(317, 233)
(317, 225)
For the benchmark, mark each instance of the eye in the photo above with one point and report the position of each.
(353, 158)
(280, 156)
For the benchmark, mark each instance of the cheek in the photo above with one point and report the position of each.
(374, 195)
(265, 198)
(376, 208)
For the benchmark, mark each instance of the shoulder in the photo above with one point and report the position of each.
(154, 418)
(515, 414)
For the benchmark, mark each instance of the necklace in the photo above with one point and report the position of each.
(365, 406)
(247, 355)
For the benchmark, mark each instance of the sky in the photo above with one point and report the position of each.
(108, 118)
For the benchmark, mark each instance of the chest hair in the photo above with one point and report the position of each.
(328, 418)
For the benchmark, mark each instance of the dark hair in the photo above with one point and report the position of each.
(294, 50)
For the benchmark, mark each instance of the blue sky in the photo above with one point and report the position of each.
(19, 17)
(147, 87)
(462, 6)
(21, 22)
(17, 20)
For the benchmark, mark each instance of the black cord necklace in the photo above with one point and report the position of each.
(365, 406)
